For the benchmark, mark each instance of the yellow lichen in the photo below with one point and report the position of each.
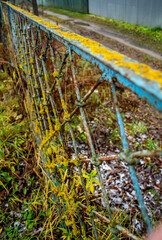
(57, 125)
(63, 104)
(45, 77)
(55, 74)
(49, 151)
(66, 115)
(36, 84)
(41, 111)
(142, 69)
(31, 60)
(14, 75)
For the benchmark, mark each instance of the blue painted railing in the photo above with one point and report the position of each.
(54, 65)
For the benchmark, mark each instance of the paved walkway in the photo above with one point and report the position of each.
(102, 30)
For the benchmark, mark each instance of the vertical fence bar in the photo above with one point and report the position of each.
(131, 168)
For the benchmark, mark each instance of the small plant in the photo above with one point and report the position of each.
(90, 180)
(137, 127)
(153, 191)
(151, 144)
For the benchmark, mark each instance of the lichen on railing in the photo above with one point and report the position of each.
(73, 101)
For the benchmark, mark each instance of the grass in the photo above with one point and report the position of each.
(141, 35)
(27, 210)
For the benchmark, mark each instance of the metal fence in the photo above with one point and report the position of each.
(64, 76)
(72, 5)
(145, 12)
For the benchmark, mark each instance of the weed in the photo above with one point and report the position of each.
(23, 200)
(151, 144)
(137, 127)
(158, 28)
(90, 177)
(147, 57)
(153, 191)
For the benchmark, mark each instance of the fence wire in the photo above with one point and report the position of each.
(66, 77)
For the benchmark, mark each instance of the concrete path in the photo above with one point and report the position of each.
(102, 30)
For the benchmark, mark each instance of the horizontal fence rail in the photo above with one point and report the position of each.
(63, 75)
